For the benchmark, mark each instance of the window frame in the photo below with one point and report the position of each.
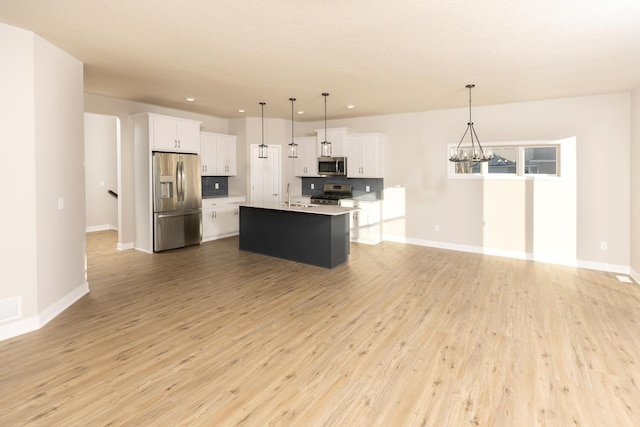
(520, 166)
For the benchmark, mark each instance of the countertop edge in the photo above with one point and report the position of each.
(307, 209)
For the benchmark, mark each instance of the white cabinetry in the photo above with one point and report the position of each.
(307, 162)
(338, 139)
(365, 155)
(220, 217)
(366, 223)
(174, 134)
(208, 151)
(218, 152)
(226, 155)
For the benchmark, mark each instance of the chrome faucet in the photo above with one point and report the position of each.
(288, 197)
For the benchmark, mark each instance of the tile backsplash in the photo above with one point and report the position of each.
(209, 186)
(376, 185)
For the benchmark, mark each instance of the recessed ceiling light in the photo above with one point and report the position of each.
(301, 112)
(241, 110)
(190, 98)
(351, 106)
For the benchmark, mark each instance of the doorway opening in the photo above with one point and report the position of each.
(102, 173)
(265, 175)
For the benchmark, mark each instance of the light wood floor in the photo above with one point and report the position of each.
(400, 336)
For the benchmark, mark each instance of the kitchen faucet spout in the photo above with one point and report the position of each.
(288, 197)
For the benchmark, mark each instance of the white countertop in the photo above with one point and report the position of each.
(304, 208)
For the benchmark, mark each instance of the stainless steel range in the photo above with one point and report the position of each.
(332, 193)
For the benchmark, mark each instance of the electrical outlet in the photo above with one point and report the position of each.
(216, 185)
(367, 188)
(313, 186)
(436, 227)
(60, 203)
(603, 246)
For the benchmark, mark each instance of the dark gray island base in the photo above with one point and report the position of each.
(297, 235)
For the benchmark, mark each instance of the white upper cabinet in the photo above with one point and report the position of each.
(174, 134)
(338, 139)
(226, 162)
(307, 162)
(365, 155)
(218, 154)
(208, 154)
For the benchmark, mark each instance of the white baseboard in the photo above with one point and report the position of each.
(23, 326)
(219, 236)
(634, 275)
(612, 268)
(125, 246)
(104, 227)
(600, 266)
(18, 327)
(67, 301)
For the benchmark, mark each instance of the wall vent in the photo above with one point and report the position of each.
(10, 309)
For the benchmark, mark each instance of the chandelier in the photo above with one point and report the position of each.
(474, 153)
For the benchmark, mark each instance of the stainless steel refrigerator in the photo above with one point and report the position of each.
(177, 201)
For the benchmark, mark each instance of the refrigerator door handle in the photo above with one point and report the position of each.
(174, 214)
(180, 180)
(183, 179)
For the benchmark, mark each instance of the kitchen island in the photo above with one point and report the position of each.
(311, 234)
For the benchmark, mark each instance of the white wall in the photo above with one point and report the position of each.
(100, 142)
(416, 165)
(59, 139)
(635, 184)
(17, 119)
(44, 244)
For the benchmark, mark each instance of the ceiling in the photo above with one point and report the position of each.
(383, 56)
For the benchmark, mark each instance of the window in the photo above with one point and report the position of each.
(540, 160)
(505, 160)
(511, 160)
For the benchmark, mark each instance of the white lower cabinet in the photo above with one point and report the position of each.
(366, 223)
(221, 217)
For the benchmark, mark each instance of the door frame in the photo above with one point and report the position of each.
(252, 164)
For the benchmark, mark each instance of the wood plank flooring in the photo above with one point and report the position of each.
(400, 336)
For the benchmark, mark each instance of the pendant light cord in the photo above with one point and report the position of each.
(325, 94)
(292, 100)
(470, 87)
(262, 106)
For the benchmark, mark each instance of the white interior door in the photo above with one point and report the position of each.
(265, 175)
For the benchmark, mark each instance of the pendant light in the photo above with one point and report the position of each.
(325, 146)
(293, 147)
(262, 148)
(474, 153)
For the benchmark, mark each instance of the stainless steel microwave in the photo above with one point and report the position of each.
(332, 166)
